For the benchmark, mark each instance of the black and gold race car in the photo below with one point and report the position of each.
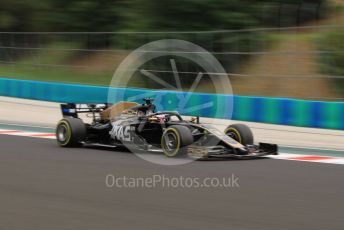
(139, 127)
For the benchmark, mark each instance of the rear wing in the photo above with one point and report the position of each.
(72, 110)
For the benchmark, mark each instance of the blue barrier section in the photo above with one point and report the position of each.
(55, 92)
(194, 104)
(247, 108)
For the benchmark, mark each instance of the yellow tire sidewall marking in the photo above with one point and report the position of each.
(231, 129)
(69, 132)
(175, 152)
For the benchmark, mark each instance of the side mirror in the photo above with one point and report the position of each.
(195, 119)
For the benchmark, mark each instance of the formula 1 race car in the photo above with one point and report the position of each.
(140, 127)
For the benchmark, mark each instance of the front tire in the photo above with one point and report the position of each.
(70, 132)
(175, 139)
(241, 133)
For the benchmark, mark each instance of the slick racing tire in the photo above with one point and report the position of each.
(70, 132)
(241, 133)
(175, 139)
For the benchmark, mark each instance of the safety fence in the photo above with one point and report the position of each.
(285, 111)
(284, 61)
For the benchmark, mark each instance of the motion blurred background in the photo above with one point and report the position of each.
(285, 48)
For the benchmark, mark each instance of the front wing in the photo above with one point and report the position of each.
(252, 151)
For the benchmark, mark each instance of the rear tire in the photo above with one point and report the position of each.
(241, 133)
(175, 139)
(70, 132)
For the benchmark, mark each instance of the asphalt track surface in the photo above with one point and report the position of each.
(43, 186)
